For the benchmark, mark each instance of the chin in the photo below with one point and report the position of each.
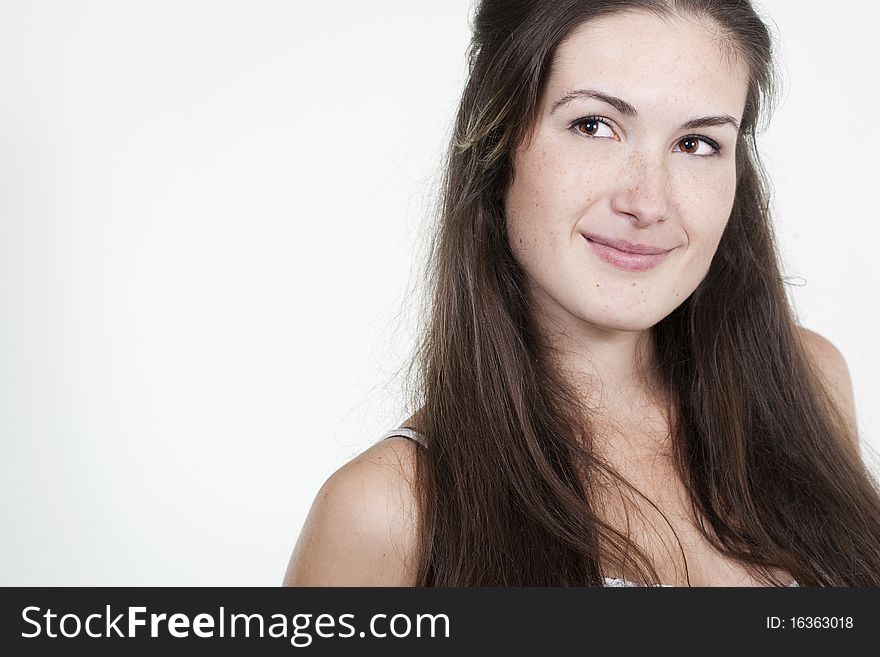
(623, 322)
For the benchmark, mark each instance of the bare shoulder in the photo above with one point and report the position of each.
(830, 363)
(362, 527)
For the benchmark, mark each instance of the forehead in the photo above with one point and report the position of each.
(655, 62)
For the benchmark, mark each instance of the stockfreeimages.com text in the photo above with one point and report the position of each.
(299, 628)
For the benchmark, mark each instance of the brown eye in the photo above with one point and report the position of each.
(594, 127)
(589, 127)
(699, 146)
(689, 145)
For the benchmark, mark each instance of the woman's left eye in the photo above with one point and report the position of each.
(700, 146)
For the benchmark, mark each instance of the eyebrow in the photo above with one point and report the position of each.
(628, 110)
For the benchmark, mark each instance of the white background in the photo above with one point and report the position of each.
(211, 221)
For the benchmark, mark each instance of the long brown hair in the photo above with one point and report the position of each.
(508, 487)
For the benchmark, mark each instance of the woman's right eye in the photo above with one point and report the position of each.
(595, 127)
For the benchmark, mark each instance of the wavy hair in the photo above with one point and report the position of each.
(509, 489)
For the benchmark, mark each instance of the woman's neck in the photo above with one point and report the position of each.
(608, 367)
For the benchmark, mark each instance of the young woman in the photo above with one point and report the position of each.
(612, 387)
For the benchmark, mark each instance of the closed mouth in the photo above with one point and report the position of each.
(626, 246)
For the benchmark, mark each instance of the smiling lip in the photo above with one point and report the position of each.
(626, 255)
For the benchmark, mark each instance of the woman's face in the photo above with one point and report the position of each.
(634, 148)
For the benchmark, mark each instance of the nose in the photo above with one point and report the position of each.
(642, 192)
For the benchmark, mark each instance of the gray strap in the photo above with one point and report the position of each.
(406, 432)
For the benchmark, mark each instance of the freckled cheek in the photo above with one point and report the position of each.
(562, 184)
(555, 186)
(523, 212)
(537, 206)
(704, 223)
